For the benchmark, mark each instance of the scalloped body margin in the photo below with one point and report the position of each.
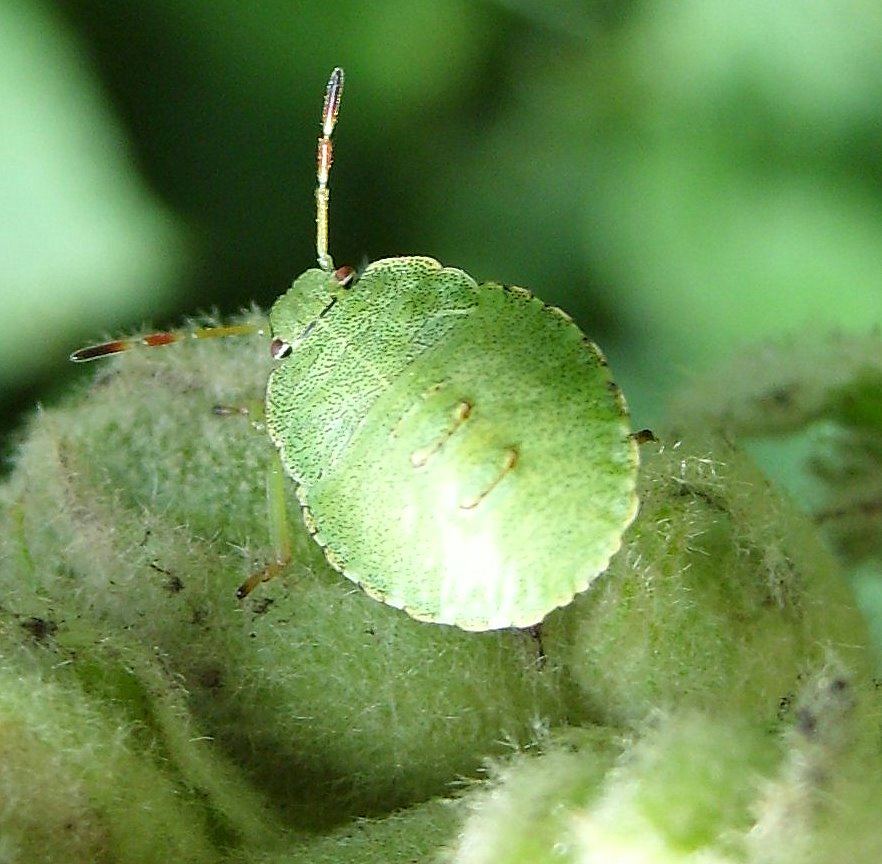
(460, 450)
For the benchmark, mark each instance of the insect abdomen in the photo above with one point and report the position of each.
(467, 494)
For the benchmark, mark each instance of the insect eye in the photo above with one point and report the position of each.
(279, 349)
(344, 275)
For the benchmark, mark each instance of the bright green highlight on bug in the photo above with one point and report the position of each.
(460, 449)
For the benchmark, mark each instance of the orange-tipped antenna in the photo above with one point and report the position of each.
(117, 346)
(324, 159)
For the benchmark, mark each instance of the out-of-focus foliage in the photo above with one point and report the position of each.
(77, 221)
(809, 411)
(685, 178)
(713, 691)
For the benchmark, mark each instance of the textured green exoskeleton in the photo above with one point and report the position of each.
(460, 450)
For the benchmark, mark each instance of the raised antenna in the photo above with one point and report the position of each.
(324, 159)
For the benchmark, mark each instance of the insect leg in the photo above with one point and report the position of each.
(509, 461)
(459, 415)
(163, 337)
(280, 533)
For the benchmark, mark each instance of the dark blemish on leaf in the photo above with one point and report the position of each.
(644, 436)
(806, 722)
(779, 397)
(261, 606)
(785, 703)
(690, 490)
(39, 628)
(211, 677)
(173, 585)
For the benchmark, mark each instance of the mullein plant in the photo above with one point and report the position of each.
(710, 698)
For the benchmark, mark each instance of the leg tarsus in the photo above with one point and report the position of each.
(280, 534)
(260, 576)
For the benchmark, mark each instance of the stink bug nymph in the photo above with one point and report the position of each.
(460, 450)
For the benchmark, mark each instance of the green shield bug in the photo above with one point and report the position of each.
(460, 450)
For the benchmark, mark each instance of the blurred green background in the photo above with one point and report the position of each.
(685, 178)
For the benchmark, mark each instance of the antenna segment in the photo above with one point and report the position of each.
(324, 160)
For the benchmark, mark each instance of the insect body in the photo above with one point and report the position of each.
(460, 450)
